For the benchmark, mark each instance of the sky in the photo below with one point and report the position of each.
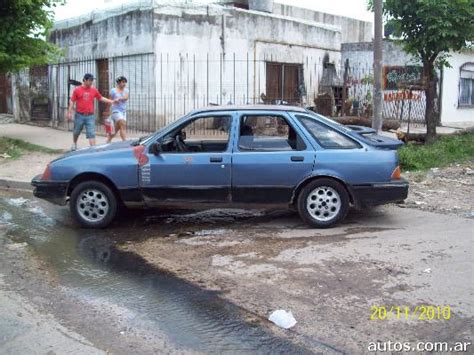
(350, 8)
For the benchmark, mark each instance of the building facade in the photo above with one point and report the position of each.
(181, 57)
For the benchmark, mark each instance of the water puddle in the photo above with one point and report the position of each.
(91, 268)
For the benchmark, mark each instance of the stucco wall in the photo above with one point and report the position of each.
(361, 54)
(224, 50)
(352, 30)
(105, 36)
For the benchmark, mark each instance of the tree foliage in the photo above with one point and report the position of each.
(24, 26)
(428, 28)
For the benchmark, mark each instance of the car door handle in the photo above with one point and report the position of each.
(297, 158)
(215, 159)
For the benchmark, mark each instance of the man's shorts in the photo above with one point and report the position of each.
(119, 115)
(84, 120)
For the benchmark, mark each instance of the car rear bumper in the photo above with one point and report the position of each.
(52, 191)
(380, 193)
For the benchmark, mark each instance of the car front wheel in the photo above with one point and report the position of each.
(323, 203)
(93, 204)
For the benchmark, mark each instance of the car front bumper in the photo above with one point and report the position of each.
(52, 191)
(380, 193)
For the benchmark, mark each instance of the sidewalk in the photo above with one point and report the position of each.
(45, 136)
(18, 173)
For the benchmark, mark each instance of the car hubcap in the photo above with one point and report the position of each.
(323, 203)
(92, 205)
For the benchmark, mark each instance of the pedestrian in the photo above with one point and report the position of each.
(83, 97)
(120, 95)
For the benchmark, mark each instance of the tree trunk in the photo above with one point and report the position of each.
(430, 92)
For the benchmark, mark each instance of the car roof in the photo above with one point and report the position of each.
(249, 108)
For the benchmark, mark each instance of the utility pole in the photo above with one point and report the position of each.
(378, 29)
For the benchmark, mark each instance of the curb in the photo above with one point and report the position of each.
(15, 184)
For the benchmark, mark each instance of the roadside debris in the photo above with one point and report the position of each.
(443, 190)
(282, 318)
(16, 246)
(17, 202)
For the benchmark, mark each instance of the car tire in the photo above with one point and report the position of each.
(323, 203)
(93, 204)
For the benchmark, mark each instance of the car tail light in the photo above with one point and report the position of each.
(46, 174)
(396, 174)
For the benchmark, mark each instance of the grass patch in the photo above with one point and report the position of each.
(15, 148)
(446, 150)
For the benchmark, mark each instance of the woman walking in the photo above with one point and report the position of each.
(120, 96)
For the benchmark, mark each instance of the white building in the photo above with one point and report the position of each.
(457, 101)
(181, 57)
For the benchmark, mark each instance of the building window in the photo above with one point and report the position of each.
(466, 85)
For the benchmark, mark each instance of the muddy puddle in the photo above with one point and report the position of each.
(90, 267)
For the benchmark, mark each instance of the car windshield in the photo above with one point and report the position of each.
(146, 139)
(329, 121)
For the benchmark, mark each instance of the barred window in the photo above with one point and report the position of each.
(466, 85)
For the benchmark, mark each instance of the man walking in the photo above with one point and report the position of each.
(83, 96)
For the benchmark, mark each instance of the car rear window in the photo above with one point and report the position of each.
(327, 137)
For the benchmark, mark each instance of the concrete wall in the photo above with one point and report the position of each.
(452, 114)
(107, 34)
(395, 105)
(361, 54)
(352, 30)
(218, 54)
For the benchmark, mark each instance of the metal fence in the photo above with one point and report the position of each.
(164, 87)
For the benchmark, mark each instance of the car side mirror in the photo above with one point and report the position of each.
(155, 148)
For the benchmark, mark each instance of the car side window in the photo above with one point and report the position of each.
(203, 134)
(327, 137)
(268, 133)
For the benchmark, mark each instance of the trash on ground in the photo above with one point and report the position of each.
(282, 318)
(16, 246)
(427, 271)
(17, 202)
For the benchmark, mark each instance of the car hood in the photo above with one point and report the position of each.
(370, 136)
(98, 148)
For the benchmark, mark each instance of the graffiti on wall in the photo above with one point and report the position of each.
(394, 75)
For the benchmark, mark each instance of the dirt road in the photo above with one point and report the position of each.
(330, 279)
(397, 257)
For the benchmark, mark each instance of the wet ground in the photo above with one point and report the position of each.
(147, 303)
(206, 281)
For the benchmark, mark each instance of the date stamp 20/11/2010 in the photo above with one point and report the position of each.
(420, 312)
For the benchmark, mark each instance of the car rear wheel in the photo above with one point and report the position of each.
(93, 204)
(323, 203)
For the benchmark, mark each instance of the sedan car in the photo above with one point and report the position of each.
(231, 156)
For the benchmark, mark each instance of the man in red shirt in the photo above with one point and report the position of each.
(83, 96)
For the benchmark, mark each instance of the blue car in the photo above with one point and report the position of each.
(229, 155)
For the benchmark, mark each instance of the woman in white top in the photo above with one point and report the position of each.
(120, 95)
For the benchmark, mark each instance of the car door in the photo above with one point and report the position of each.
(270, 157)
(196, 169)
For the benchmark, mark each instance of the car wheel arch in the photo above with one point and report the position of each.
(312, 178)
(89, 176)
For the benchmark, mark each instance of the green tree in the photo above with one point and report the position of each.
(24, 26)
(429, 30)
